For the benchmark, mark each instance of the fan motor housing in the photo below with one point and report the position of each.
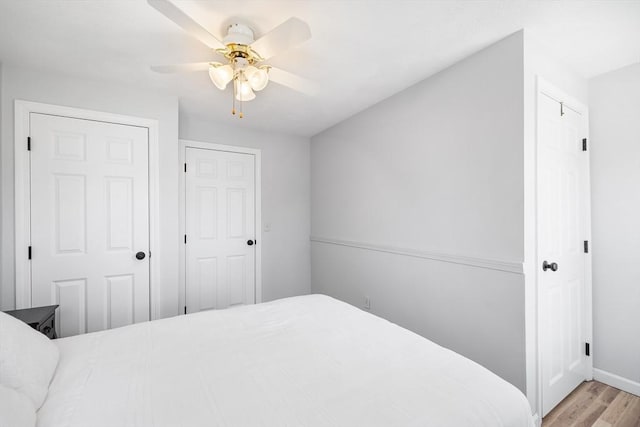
(238, 34)
(238, 40)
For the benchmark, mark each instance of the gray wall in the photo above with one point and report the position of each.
(615, 187)
(437, 168)
(285, 201)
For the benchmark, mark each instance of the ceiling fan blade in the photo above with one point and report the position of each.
(293, 81)
(181, 68)
(290, 33)
(183, 20)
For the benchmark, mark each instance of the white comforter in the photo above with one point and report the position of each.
(303, 361)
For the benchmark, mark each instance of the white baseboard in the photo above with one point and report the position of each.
(617, 381)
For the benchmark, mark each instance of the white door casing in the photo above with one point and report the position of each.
(220, 229)
(89, 218)
(563, 227)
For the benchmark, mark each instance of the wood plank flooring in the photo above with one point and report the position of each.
(594, 404)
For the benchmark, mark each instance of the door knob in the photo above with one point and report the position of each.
(250, 242)
(546, 266)
(140, 255)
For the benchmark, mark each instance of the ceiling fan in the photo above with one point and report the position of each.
(242, 55)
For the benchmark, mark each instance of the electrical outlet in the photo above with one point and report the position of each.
(367, 303)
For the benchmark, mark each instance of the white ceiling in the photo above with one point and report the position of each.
(361, 51)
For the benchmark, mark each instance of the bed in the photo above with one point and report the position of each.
(301, 361)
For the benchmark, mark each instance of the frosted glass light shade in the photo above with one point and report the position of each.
(220, 75)
(243, 91)
(257, 77)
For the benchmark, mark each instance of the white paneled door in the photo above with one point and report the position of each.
(220, 229)
(562, 231)
(89, 222)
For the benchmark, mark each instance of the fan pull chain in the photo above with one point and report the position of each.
(237, 88)
(241, 103)
(233, 94)
(240, 82)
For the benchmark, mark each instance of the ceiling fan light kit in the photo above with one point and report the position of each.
(239, 48)
(257, 77)
(241, 68)
(221, 74)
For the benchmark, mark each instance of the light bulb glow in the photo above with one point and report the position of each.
(257, 77)
(220, 74)
(243, 90)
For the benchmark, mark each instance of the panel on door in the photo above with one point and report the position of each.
(562, 228)
(220, 227)
(89, 217)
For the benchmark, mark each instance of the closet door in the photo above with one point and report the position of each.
(89, 222)
(220, 229)
(563, 209)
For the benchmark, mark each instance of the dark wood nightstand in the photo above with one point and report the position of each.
(41, 319)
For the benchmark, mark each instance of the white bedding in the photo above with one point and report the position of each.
(303, 361)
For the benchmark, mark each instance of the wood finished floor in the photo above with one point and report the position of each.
(594, 404)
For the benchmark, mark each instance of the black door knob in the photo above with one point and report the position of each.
(552, 266)
(140, 255)
(250, 242)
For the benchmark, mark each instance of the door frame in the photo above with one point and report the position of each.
(184, 144)
(544, 88)
(22, 186)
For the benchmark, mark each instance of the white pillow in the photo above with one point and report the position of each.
(16, 410)
(28, 359)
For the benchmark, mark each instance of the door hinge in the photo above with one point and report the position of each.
(584, 144)
(28, 143)
(185, 239)
(587, 349)
(185, 168)
(29, 252)
(586, 246)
